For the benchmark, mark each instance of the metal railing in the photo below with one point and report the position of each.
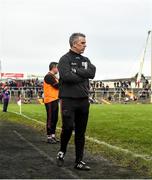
(117, 95)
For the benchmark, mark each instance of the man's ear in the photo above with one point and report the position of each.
(74, 44)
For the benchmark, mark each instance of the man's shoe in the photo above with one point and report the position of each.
(60, 158)
(82, 166)
(51, 141)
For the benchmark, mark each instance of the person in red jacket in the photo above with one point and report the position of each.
(50, 86)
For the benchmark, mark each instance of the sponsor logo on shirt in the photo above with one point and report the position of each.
(73, 64)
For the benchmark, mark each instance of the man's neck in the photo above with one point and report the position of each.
(75, 51)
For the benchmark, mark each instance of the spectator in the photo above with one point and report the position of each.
(6, 96)
(1, 96)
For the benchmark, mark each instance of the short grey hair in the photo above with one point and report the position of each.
(74, 37)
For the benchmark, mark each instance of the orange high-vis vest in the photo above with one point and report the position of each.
(50, 93)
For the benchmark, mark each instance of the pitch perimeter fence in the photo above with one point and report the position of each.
(112, 95)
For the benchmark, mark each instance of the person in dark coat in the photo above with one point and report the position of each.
(75, 71)
(6, 97)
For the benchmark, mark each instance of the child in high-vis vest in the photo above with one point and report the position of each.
(51, 92)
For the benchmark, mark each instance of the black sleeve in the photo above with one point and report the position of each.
(89, 72)
(65, 72)
(51, 80)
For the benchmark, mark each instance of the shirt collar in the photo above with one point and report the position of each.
(74, 53)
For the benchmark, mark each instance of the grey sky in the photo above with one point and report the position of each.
(35, 32)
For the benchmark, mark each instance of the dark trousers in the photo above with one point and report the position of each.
(5, 105)
(52, 116)
(74, 117)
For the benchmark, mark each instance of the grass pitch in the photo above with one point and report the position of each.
(123, 126)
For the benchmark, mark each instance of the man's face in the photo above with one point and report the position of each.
(55, 70)
(80, 45)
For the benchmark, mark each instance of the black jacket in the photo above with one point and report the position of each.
(51, 79)
(75, 71)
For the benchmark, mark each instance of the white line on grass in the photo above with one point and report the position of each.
(126, 151)
(27, 117)
(94, 140)
(44, 154)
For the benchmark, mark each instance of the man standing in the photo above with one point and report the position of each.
(6, 97)
(51, 91)
(75, 71)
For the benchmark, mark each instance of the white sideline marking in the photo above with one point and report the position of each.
(145, 157)
(91, 139)
(44, 154)
(40, 122)
(27, 117)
